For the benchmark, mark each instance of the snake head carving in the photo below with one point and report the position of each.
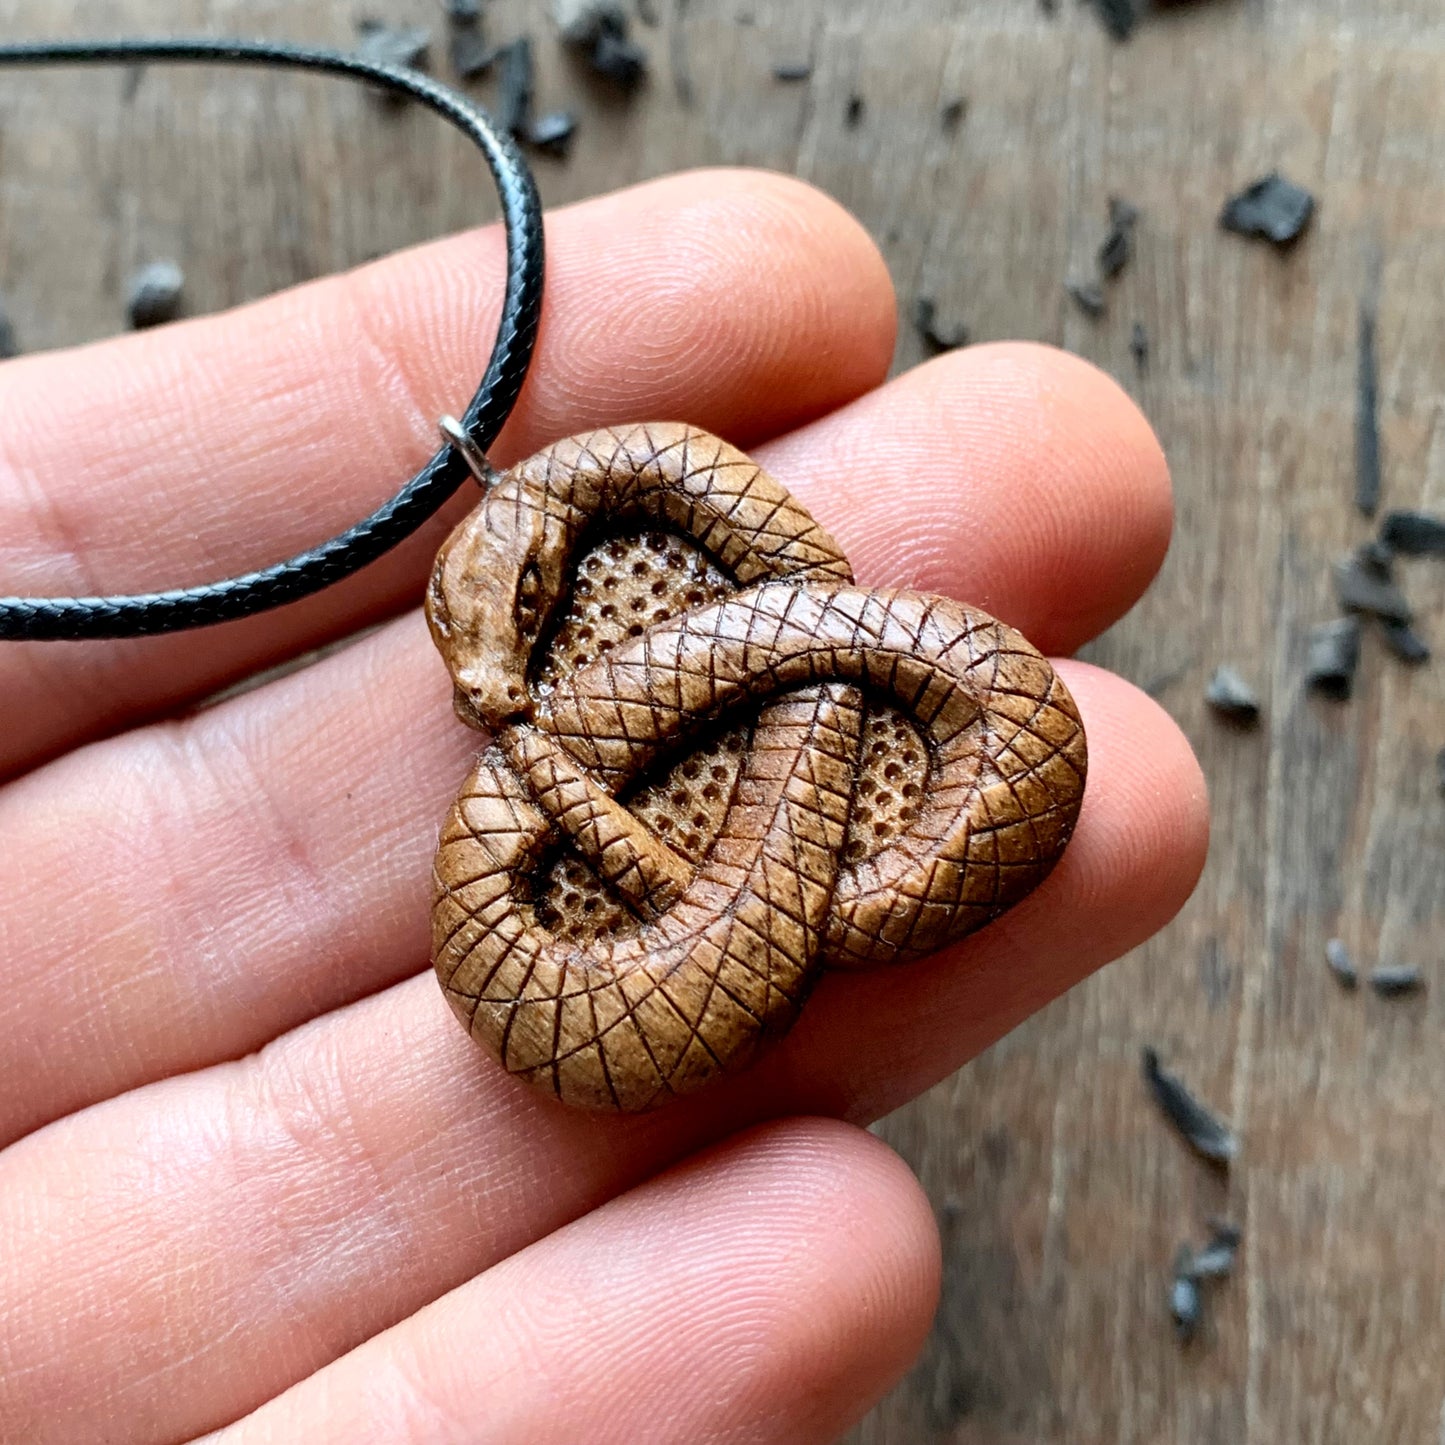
(489, 599)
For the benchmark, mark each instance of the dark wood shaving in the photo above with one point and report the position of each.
(1118, 17)
(464, 12)
(1118, 246)
(1414, 534)
(154, 295)
(1088, 297)
(1272, 208)
(1341, 964)
(1232, 697)
(470, 55)
(404, 46)
(1361, 589)
(553, 132)
(1207, 1134)
(582, 22)
(1405, 643)
(1186, 1305)
(1377, 558)
(952, 114)
(936, 338)
(853, 115)
(1369, 471)
(1139, 347)
(517, 86)
(9, 346)
(793, 70)
(620, 60)
(1397, 981)
(1334, 656)
(1216, 1259)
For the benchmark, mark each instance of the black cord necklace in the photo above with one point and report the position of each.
(37, 618)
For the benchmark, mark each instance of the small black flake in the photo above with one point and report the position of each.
(1208, 1135)
(470, 54)
(1232, 697)
(1405, 642)
(1216, 1259)
(1334, 655)
(853, 116)
(154, 296)
(9, 346)
(620, 60)
(792, 70)
(1360, 589)
(952, 114)
(553, 132)
(404, 46)
(464, 12)
(1088, 296)
(1369, 473)
(518, 84)
(935, 337)
(1414, 534)
(1341, 964)
(1186, 1306)
(1377, 558)
(1272, 208)
(1397, 981)
(1118, 246)
(1118, 17)
(583, 22)
(1139, 347)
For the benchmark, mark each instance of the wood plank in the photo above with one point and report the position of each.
(1061, 1196)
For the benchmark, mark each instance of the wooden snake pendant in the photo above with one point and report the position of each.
(718, 766)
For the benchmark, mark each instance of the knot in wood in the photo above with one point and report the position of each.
(718, 766)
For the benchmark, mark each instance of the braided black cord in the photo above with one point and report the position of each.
(88, 617)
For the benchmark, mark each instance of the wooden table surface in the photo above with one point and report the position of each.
(1061, 1195)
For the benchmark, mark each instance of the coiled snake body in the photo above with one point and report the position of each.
(722, 938)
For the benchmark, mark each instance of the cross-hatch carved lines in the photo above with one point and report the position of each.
(823, 835)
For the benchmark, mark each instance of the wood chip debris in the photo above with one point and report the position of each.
(1271, 208)
(1369, 470)
(1414, 534)
(1139, 347)
(1337, 956)
(1232, 697)
(402, 46)
(1405, 643)
(9, 345)
(1117, 16)
(791, 71)
(853, 115)
(464, 12)
(1088, 296)
(936, 338)
(1362, 588)
(1334, 657)
(469, 53)
(553, 132)
(1216, 1259)
(1204, 1131)
(1397, 980)
(154, 295)
(1117, 248)
(952, 114)
(1186, 1303)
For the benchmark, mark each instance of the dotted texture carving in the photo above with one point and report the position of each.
(717, 766)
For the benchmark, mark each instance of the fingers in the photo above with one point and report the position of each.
(1021, 474)
(227, 443)
(367, 1163)
(770, 1290)
(270, 858)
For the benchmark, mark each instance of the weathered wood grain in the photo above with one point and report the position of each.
(1061, 1194)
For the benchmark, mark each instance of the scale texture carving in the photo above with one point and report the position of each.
(717, 766)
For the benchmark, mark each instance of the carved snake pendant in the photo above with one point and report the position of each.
(902, 768)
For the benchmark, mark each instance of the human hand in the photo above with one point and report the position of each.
(253, 1165)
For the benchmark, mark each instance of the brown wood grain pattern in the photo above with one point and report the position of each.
(1061, 1194)
(731, 912)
